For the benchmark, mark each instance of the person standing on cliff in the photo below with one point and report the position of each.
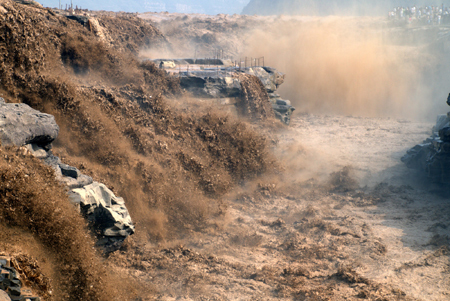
(448, 99)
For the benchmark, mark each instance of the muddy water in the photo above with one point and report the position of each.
(293, 242)
(391, 233)
(371, 146)
(411, 219)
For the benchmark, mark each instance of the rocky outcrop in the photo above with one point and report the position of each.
(107, 214)
(211, 84)
(10, 284)
(225, 84)
(269, 77)
(21, 125)
(432, 156)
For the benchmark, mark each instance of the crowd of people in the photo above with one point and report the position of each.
(432, 15)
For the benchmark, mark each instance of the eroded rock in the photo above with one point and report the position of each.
(105, 212)
(10, 284)
(224, 82)
(432, 156)
(20, 125)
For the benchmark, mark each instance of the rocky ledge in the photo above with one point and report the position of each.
(222, 82)
(432, 156)
(106, 213)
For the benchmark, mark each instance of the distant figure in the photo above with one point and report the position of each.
(448, 99)
(161, 65)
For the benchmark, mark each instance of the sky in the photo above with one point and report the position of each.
(213, 7)
(182, 6)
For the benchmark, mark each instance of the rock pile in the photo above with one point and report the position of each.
(108, 217)
(432, 156)
(10, 284)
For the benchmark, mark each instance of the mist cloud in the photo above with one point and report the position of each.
(349, 65)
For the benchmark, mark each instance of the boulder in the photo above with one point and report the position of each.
(9, 281)
(211, 84)
(432, 156)
(442, 121)
(37, 151)
(444, 134)
(10, 284)
(69, 171)
(66, 174)
(416, 157)
(270, 77)
(20, 125)
(79, 182)
(105, 212)
(83, 20)
(225, 83)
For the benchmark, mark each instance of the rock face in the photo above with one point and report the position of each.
(432, 156)
(211, 84)
(105, 212)
(223, 83)
(108, 217)
(270, 77)
(20, 125)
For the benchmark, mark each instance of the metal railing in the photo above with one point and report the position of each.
(251, 62)
(213, 66)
